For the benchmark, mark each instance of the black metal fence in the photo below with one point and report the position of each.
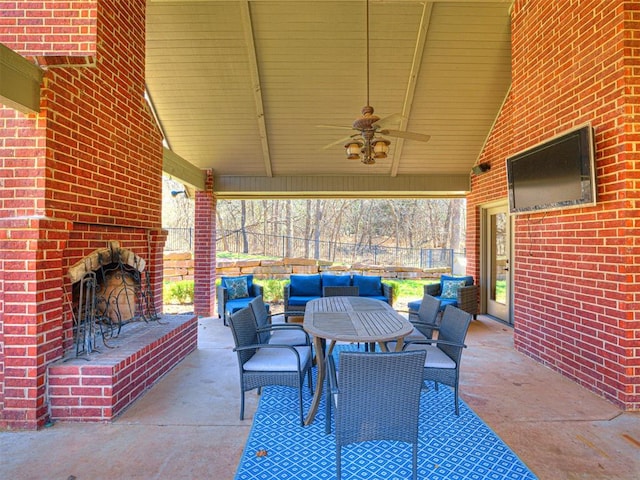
(181, 239)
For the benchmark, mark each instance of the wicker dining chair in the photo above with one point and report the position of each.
(341, 291)
(281, 333)
(376, 397)
(263, 364)
(445, 353)
(424, 321)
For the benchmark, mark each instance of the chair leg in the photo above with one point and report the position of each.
(414, 473)
(455, 396)
(327, 407)
(338, 462)
(300, 404)
(310, 380)
(242, 405)
(327, 414)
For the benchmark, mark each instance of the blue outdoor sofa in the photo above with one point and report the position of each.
(302, 288)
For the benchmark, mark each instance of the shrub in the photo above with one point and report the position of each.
(178, 292)
(273, 290)
(408, 288)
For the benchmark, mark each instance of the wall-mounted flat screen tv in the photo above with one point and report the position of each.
(558, 173)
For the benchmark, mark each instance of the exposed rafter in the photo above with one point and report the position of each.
(257, 87)
(421, 39)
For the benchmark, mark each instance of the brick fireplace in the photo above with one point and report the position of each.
(83, 171)
(120, 345)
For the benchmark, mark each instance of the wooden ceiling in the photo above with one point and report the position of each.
(241, 87)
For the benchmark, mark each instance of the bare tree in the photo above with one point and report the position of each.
(274, 228)
(243, 226)
(289, 227)
(318, 223)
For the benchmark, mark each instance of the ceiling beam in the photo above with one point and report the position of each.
(507, 2)
(256, 84)
(411, 84)
(182, 171)
(19, 82)
(229, 187)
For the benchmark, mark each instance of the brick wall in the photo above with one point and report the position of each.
(50, 28)
(85, 170)
(576, 282)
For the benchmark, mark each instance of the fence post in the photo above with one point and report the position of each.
(452, 260)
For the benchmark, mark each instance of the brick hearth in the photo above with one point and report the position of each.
(99, 386)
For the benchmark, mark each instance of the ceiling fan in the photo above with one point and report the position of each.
(366, 145)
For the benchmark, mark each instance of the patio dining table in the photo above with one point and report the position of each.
(350, 319)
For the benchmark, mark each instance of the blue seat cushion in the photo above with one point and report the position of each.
(377, 297)
(233, 306)
(305, 286)
(369, 286)
(415, 305)
(299, 300)
(331, 280)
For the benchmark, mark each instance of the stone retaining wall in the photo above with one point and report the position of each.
(179, 266)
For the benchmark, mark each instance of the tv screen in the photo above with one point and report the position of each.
(555, 174)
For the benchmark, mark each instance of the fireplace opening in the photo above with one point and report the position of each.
(110, 289)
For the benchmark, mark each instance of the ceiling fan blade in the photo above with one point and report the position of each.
(342, 140)
(342, 127)
(393, 119)
(408, 135)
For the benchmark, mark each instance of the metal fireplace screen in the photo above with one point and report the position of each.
(107, 299)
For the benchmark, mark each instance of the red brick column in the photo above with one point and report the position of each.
(205, 250)
(31, 327)
(155, 268)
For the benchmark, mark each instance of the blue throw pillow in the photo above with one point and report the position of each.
(450, 288)
(305, 285)
(329, 280)
(368, 285)
(237, 288)
(468, 280)
(224, 280)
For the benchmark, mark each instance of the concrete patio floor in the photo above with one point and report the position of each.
(187, 426)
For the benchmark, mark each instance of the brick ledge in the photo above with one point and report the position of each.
(98, 387)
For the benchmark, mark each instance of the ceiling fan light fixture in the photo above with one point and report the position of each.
(380, 147)
(353, 149)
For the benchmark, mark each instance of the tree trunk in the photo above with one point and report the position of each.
(289, 228)
(316, 237)
(243, 226)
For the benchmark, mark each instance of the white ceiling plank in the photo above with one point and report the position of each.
(241, 85)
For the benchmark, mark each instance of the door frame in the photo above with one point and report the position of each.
(485, 252)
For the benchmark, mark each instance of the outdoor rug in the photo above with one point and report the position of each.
(450, 447)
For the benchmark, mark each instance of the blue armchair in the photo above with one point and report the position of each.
(458, 291)
(235, 293)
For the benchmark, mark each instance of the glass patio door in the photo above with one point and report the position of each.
(497, 249)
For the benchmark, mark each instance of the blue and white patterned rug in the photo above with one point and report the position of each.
(450, 447)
